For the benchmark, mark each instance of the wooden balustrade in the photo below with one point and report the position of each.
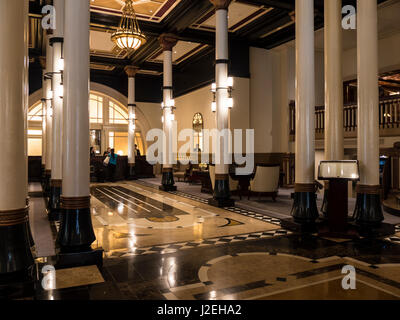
(389, 119)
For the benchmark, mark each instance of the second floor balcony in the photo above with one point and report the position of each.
(389, 119)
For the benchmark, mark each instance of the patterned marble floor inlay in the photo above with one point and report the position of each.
(134, 219)
(284, 276)
(235, 209)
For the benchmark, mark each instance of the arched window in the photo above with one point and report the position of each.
(96, 109)
(35, 113)
(198, 126)
(117, 113)
(108, 126)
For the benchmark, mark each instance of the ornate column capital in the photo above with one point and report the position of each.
(221, 4)
(168, 41)
(131, 71)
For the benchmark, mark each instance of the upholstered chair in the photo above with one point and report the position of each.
(265, 182)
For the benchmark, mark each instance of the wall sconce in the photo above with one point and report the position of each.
(60, 91)
(229, 102)
(60, 65)
(214, 106)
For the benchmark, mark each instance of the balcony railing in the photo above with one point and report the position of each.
(389, 119)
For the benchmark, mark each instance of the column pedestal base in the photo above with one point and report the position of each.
(324, 207)
(168, 183)
(76, 230)
(368, 212)
(15, 245)
(222, 194)
(54, 208)
(18, 285)
(80, 259)
(47, 179)
(221, 203)
(131, 172)
(304, 209)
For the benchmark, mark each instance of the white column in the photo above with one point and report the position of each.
(334, 149)
(305, 92)
(58, 94)
(49, 107)
(132, 118)
(305, 207)
(167, 111)
(76, 231)
(222, 56)
(131, 73)
(76, 106)
(44, 110)
(368, 92)
(15, 252)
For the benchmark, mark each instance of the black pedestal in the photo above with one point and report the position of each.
(54, 207)
(80, 259)
(222, 195)
(168, 183)
(18, 285)
(76, 231)
(368, 212)
(294, 226)
(168, 188)
(47, 184)
(15, 249)
(131, 172)
(304, 209)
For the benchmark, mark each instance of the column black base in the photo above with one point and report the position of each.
(54, 207)
(18, 285)
(304, 209)
(324, 207)
(131, 172)
(221, 203)
(80, 259)
(15, 250)
(168, 183)
(368, 212)
(76, 233)
(222, 194)
(168, 188)
(294, 226)
(47, 188)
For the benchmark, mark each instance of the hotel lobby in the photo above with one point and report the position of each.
(195, 150)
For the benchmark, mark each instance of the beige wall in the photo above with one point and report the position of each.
(389, 57)
(199, 101)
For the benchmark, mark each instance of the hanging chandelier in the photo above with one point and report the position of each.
(129, 36)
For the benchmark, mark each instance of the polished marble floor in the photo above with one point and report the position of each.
(172, 246)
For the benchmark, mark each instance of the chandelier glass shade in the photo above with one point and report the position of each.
(129, 36)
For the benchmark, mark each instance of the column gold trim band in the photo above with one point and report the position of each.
(221, 177)
(364, 189)
(75, 203)
(56, 183)
(305, 187)
(13, 217)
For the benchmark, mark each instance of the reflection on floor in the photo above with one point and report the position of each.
(174, 246)
(132, 220)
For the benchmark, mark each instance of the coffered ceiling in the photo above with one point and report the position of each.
(259, 23)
